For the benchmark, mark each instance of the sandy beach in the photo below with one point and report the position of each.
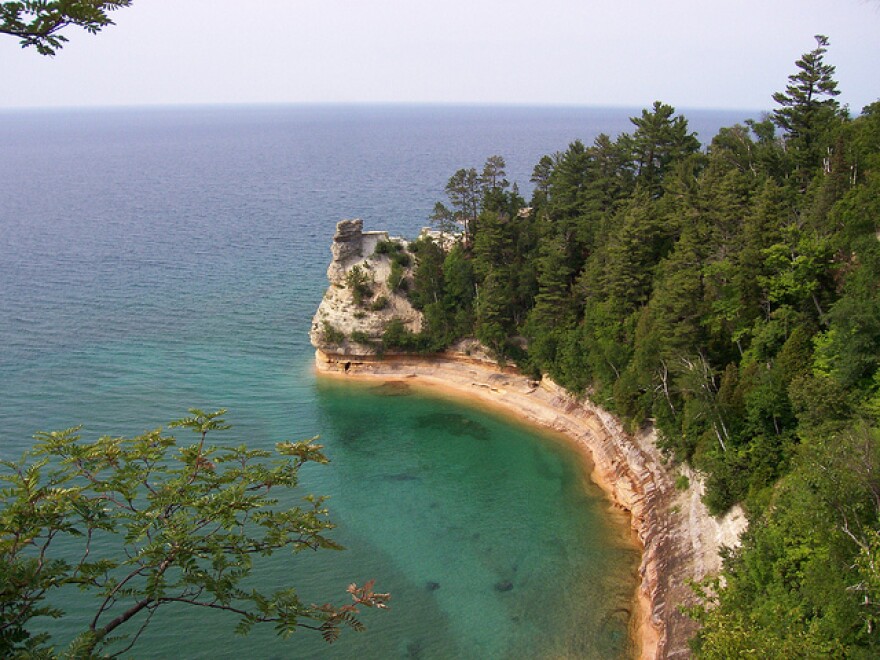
(679, 540)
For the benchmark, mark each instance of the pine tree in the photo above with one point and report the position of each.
(465, 194)
(660, 139)
(808, 109)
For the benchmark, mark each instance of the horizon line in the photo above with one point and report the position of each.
(367, 104)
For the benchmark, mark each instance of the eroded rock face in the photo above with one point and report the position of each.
(347, 246)
(351, 324)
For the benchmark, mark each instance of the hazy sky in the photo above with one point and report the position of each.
(689, 53)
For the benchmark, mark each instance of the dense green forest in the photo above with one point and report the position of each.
(727, 295)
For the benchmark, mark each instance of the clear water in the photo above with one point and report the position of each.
(152, 260)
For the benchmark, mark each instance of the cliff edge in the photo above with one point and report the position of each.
(680, 540)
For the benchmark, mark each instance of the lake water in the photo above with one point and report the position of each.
(157, 259)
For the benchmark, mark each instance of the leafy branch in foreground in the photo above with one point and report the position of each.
(145, 522)
(38, 22)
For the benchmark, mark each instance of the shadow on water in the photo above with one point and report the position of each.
(455, 424)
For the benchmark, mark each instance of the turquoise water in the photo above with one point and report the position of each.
(153, 260)
(491, 539)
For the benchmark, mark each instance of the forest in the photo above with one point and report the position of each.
(726, 294)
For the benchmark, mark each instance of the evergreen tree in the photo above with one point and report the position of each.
(492, 318)
(808, 109)
(641, 238)
(541, 178)
(428, 281)
(493, 174)
(465, 194)
(660, 139)
(458, 300)
(553, 313)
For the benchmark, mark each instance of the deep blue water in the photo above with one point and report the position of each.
(157, 259)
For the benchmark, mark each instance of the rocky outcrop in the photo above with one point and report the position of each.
(347, 246)
(680, 540)
(350, 322)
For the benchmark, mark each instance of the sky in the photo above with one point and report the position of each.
(624, 53)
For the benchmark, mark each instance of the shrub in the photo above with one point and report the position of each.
(395, 251)
(401, 259)
(359, 281)
(397, 278)
(398, 337)
(361, 337)
(388, 247)
(332, 335)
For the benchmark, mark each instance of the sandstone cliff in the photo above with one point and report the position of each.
(360, 302)
(680, 540)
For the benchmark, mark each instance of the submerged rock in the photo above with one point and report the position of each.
(504, 585)
(414, 649)
(402, 476)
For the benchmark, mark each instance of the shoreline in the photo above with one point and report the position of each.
(677, 538)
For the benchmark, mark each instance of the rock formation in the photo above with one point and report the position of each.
(352, 324)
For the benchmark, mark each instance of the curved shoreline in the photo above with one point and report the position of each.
(678, 538)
